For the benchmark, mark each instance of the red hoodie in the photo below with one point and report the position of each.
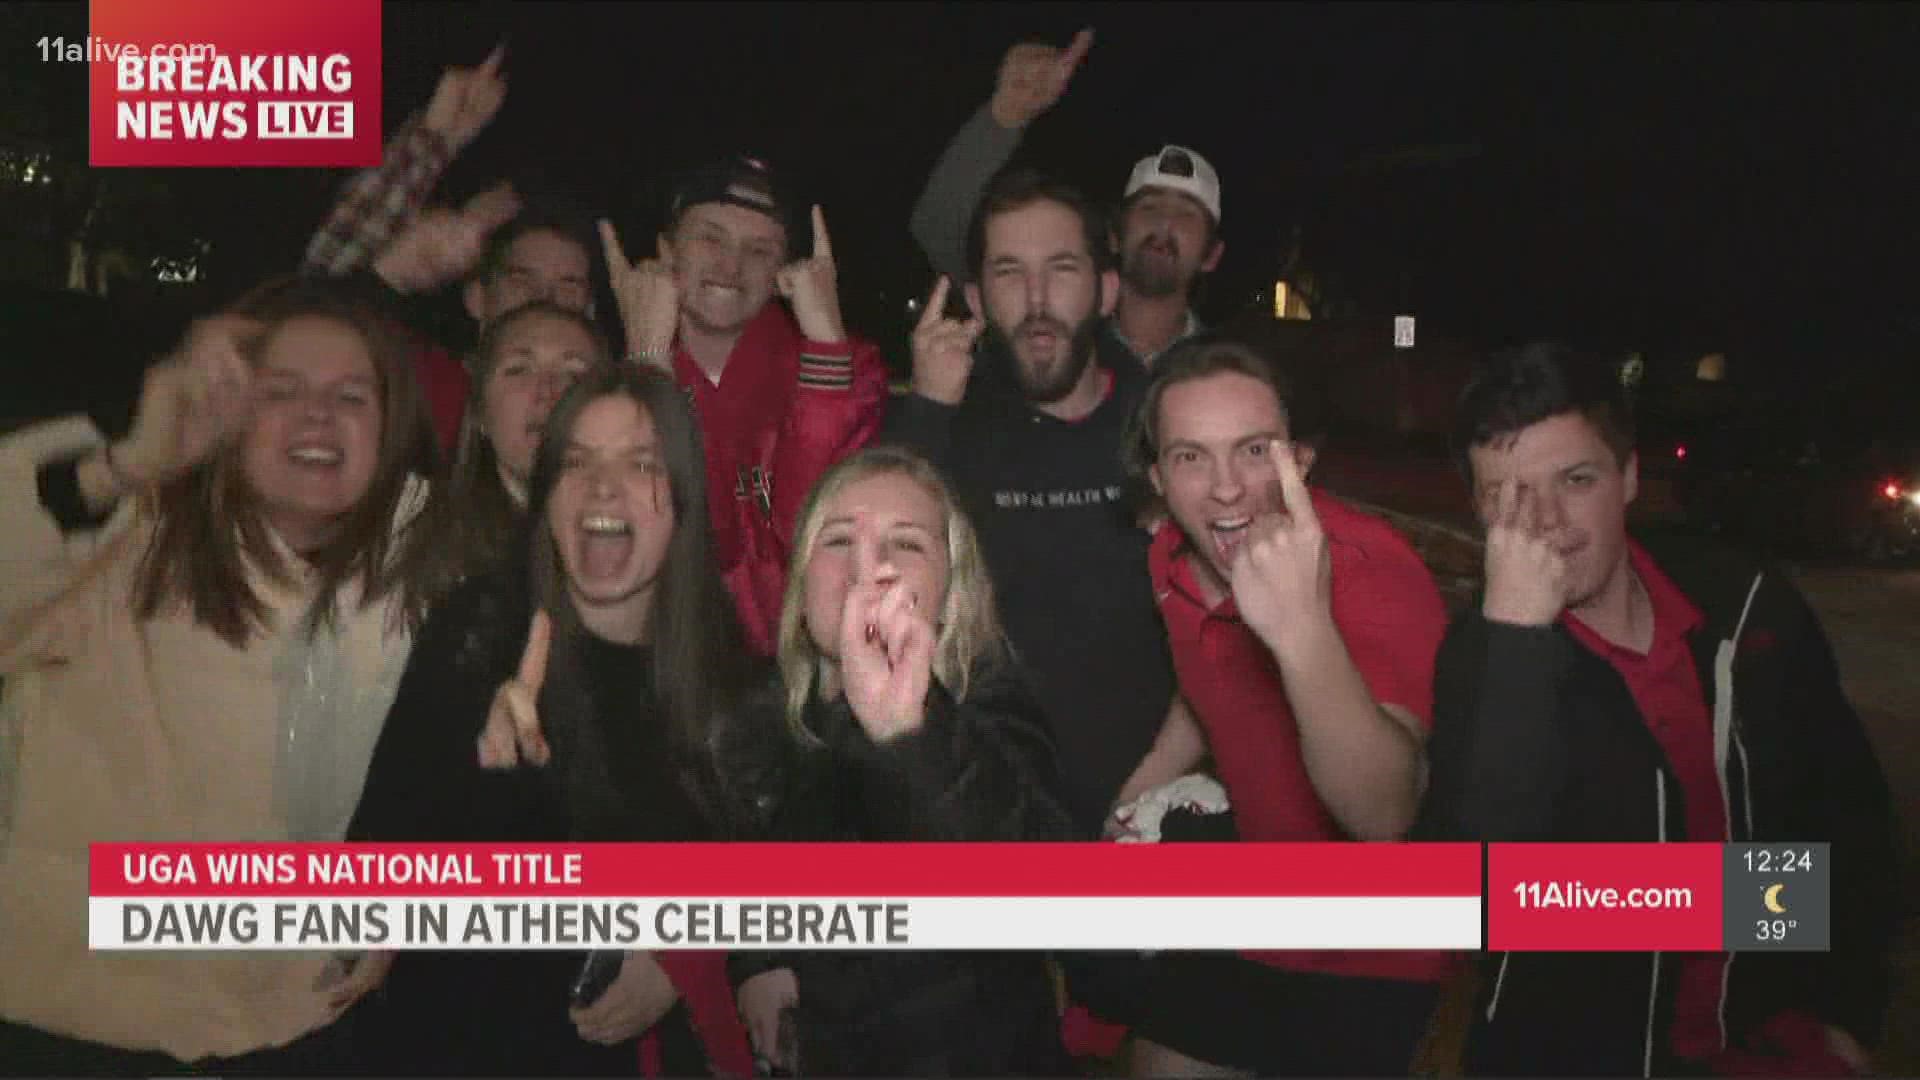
(784, 411)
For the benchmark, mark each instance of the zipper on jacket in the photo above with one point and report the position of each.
(1499, 981)
(1726, 741)
(1653, 984)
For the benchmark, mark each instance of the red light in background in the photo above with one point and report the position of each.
(1890, 489)
(1680, 452)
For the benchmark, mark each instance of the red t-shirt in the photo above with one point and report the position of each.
(1391, 617)
(1666, 687)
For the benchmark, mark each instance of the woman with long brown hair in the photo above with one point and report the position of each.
(202, 625)
(525, 362)
(615, 641)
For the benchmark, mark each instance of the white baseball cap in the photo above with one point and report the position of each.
(1177, 168)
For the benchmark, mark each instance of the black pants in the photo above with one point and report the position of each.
(1227, 1010)
(29, 1051)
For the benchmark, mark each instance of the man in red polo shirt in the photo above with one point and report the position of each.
(782, 389)
(1609, 689)
(1303, 634)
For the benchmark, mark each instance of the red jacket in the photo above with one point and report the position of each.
(785, 410)
(444, 385)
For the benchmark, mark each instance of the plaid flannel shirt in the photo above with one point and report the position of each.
(377, 201)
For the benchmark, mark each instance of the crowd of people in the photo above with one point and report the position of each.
(338, 582)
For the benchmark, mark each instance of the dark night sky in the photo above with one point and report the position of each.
(1668, 178)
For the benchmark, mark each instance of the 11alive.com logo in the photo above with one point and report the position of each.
(232, 83)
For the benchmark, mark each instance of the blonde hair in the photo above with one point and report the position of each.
(969, 642)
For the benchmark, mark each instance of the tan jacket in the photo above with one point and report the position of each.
(113, 729)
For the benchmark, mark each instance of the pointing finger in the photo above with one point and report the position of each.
(822, 247)
(1529, 513)
(936, 304)
(491, 65)
(1076, 52)
(1293, 485)
(1506, 505)
(610, 246)
(533, 662)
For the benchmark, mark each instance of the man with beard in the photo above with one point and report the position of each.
(782, 389)
(1034, 451)
(1167, 225)
(1036, 457)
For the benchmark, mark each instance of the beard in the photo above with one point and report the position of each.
(1152, 268)
(1044, 381)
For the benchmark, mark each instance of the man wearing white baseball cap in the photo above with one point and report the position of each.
(1166, 227)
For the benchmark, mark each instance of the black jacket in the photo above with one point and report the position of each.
(1536, 738)
(501, 1013)
(978, 770)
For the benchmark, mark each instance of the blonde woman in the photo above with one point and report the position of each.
(201, 628)
(901, 720)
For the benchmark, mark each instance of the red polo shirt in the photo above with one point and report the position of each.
(1666, 687)
(1391, 618)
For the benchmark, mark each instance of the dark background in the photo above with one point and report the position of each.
(1666, 179)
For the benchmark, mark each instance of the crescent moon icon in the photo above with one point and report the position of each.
(1771, 898)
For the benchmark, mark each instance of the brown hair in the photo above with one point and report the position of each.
(1198, 358)
(209, 523)
(699, 665)
(482, 521)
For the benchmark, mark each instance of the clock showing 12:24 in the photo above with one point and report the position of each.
(1781, 860)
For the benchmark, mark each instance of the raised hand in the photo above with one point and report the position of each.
(1526, 578)
(467, 99)
(648, 297)
(810, 286)
(1282, 576)
(943, 349)
(886, 650)
(440, 245)
(512, 732)
(1032, 78)
(190, 404)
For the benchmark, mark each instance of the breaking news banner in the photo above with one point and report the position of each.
(231, 83)
(785, 896)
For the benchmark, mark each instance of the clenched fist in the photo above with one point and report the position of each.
(1526, 578)
(1032, 78)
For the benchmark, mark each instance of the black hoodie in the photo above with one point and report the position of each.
(1069, 564)
(1536, 738)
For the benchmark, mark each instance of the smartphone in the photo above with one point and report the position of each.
(601, 967)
